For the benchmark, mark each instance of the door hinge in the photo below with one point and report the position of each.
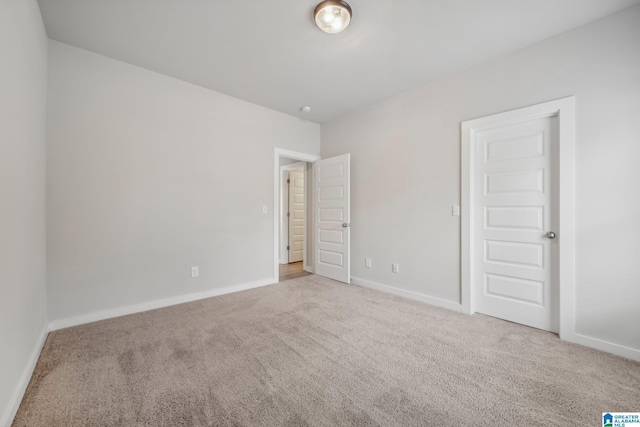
(288, 181)
(288, 213)
(288, 248)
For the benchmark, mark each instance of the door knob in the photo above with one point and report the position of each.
(344, 225)
(550, 235)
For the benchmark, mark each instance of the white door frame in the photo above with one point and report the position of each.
(564, 109)
(279, 153)
(284, 190)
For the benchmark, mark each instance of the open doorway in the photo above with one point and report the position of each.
(293, 219)
(327, 215)
(293, 254)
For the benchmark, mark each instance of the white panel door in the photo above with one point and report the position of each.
(515, 205)
(333, 216)
(296, 215)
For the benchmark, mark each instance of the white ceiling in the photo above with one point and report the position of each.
(270, 53)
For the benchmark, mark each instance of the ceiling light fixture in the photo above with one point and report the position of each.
(332, 16)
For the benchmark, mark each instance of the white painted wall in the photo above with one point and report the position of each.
(143, 183)
(23, 90)
(406, 169)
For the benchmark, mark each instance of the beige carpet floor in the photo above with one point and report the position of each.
(313, 352)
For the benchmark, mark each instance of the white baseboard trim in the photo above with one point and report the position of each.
(438, 302)
(609, 347)
(152, 305)
(12, 409)
(619, 350)
(308, 269)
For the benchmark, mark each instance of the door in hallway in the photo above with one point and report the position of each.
(296, 215)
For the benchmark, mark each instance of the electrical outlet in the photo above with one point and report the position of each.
(264, 209)
(367, 262)
(455, 210)
(195, 271)
(395, 268)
